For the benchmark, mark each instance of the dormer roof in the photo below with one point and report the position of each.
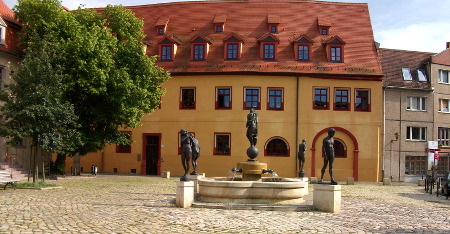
(335, 40)
(169, 40)
(268, 37)
(162, 21)
(201, 38)
(220, 19)
(234, 37)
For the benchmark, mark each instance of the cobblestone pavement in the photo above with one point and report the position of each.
(143, 204)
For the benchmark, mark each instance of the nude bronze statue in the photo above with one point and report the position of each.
(301, 158)
(328, 155)
(252, 127)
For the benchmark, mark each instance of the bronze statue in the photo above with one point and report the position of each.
(301, 158)
(186, 152)
(252, 127)
(328, 155)
(195, 146)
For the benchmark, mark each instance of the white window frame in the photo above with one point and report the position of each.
(412, 103)
(441, 76)
(2, 32)
(422, 134)
(444, 136)
(406, 73)
(441, 104)
(422, 75)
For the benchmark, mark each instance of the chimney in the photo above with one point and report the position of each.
(448, 45)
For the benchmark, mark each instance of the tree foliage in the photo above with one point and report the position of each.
(105, 78)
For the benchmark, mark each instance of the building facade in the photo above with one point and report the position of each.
(10, 56)
(304, 66)
(415, 96)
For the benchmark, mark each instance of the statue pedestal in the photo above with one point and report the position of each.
(327, 197)
(165, 174)
(305, 179)
(185, 194)
(251, 170)
(195, 179)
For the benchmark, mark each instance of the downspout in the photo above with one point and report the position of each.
(384, 134)
(296, 128)
(399, 142)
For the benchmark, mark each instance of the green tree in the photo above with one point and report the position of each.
(33, 106)
(107, 77)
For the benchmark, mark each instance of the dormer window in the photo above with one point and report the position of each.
(160, 30)
(199, 48)
(233, 47)
(219, 23)
(324, 26)
(273, 28)
(406, 74)
(167, 49)
(335, 50)
(268, 47)
(302, 48)
(273, 21)
(422, 75)
(161, 25)
(219, 28)
(2, 32)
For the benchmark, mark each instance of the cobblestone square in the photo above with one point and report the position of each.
(145, 204)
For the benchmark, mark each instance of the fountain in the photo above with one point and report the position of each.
(252, 188)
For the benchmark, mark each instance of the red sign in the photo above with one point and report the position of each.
(431, 150)
(436, 156)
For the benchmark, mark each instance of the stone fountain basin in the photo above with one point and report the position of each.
(268, 191)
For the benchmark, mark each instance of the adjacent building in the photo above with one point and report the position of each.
(304, 66)
(10, 56)
(416, 95)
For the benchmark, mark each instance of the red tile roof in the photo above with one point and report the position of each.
(442, 58)
(392, 62)
(6, 13)
(249, 19)
(12, 31)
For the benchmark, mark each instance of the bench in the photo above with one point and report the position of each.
(6, 178)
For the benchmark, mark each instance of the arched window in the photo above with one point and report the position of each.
(340, 151)
(276, 147)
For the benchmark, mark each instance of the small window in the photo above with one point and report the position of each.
(222, 144)
(223, 98)
(362, 100)
(275, 99)
(303, 52)
(166, 52)
(324, 31)
(443, 76)
(444, 136)
(160, 30)
(269, 51)
(341, 99)
(416, 103)
(444, 105)
(2, 34)
(321, 98)
(187, 98)
(276, 147)
(274, 29)
(252, 98)
(336, 54)
(199, 52)
(422, 75)
(124, 148)
(232, 51)
(406, 74)
(219, 28)
(416, 133)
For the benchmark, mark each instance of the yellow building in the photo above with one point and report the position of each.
(304, 66)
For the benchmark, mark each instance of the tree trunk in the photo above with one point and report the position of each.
(60, 164)
(36, 166)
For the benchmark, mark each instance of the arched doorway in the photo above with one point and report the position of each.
(341, 135)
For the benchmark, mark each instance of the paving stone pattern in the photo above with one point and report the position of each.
(143, 204)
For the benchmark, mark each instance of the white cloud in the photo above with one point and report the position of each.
(426, 37)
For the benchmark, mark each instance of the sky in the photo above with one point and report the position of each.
(416, 25)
